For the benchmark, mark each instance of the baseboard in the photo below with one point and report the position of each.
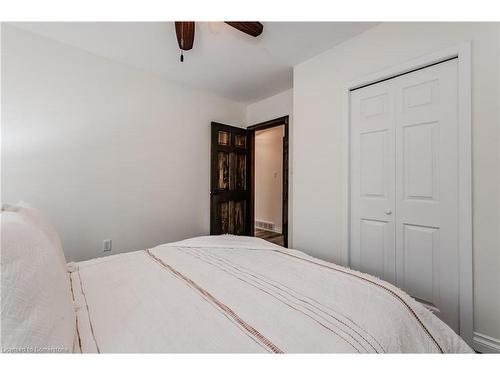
(486, 344)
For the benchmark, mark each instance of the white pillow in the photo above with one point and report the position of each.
(37, 305)
(40, 221)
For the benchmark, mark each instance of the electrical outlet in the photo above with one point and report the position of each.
(106, 245)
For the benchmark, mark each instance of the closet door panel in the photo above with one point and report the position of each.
(372, 181)
(427, 187)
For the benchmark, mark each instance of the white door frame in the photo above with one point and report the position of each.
(463, 52)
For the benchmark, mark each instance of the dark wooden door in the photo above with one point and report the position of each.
(230, 193)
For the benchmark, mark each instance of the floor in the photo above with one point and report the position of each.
(273, 237)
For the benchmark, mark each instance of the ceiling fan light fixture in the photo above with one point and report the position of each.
(215, 27)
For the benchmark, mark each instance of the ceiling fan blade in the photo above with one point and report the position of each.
(185, 34)
(250, 28)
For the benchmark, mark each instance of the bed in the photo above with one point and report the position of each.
(221, 294)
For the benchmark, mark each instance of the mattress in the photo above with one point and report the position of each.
(228, 294)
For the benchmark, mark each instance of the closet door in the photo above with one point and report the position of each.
(427, 188)
(372, 181)
(404, 185)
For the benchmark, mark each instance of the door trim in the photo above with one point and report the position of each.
(284, 208)
(463, 53)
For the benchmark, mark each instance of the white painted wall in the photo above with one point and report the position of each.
(269, 176)
(317, 141)
(107, 151)
(497, 336)
(275, 106)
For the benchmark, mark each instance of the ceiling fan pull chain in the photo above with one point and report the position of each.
(182, 43)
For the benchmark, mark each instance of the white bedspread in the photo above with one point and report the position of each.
(242, 294)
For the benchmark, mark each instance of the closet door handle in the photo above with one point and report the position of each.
(388, 211)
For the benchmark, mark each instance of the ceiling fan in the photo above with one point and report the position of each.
(185, 32)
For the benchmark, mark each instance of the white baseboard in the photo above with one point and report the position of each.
(486, 344)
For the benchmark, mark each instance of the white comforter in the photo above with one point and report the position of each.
(243, 294)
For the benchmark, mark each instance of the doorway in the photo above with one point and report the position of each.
(269, 180)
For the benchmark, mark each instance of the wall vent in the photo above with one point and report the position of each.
(265, 225)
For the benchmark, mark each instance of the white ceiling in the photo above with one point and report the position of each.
(223, 60)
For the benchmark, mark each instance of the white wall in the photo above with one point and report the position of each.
(269, 176)
(105, 150)
(317, 142)
(275, 106)
(497, 336)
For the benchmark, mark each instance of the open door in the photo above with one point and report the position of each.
(281, 121)
(229, 192)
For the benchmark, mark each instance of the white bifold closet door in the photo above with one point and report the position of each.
(404, 185)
